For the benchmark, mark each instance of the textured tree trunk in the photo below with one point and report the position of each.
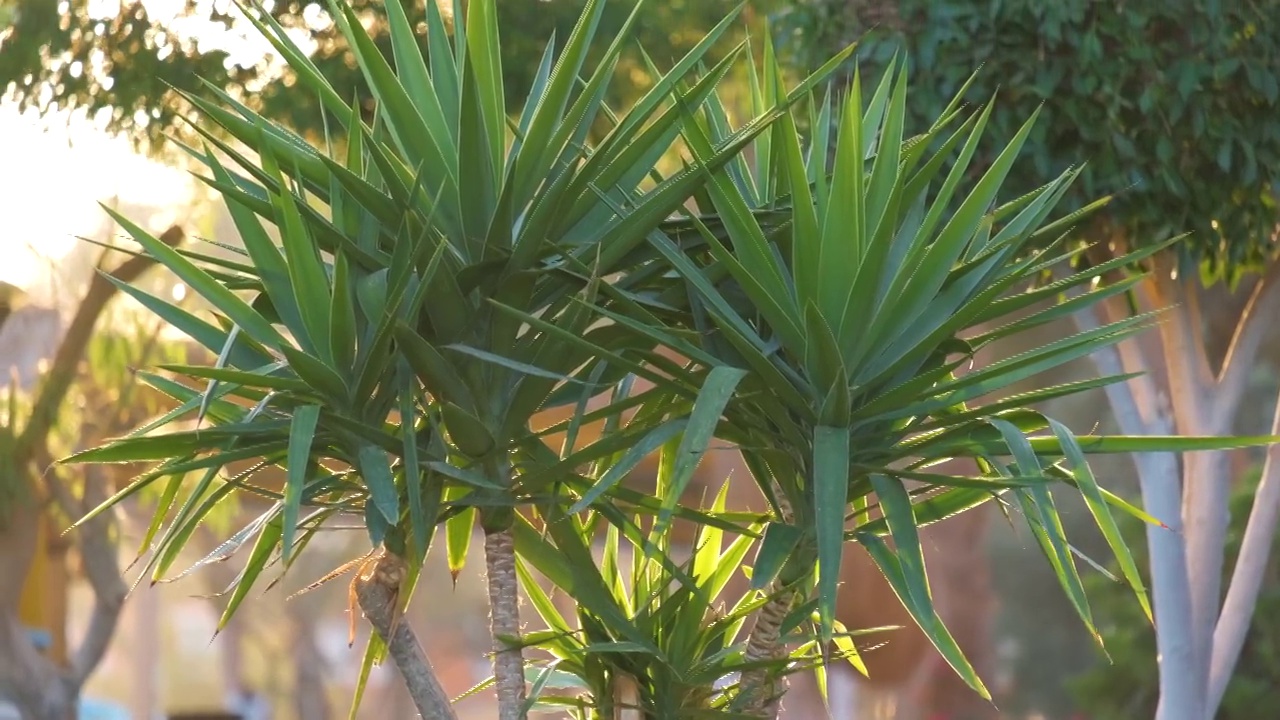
(378, 594)
(504, 623)
(763, 687)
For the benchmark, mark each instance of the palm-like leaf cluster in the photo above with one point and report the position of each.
(444, 271)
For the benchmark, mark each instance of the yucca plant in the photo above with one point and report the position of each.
(852, 323)
(647, 638)
(444, 272)
(391, 347)
(657, 635)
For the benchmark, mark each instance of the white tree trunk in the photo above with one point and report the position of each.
(1246, 578)
(1199, 639)
(1180, 698)
(1137, 408)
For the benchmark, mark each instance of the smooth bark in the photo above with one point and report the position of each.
(1256, 318)
(1246, 578)
(42, 689)
(1204, 495)
(1139, 411)
(100, 565)
(1189, 398)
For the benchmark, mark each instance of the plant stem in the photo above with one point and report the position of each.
(504, 623)
(1205, 512)
(378, 593)
(763, 687)
(626, 698)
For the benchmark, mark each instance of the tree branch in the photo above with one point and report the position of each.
(62, 371)
(378, 593)
(99, 562)
(102, 570)
(1246, 578)
(1255, 320)
(1161, 290)
(1183, 354)
(1194, 327)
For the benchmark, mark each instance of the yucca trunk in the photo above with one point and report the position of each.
(378, 593)
(626, 699)
(763, 687)
(504, 622)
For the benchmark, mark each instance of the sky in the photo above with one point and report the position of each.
(56, 175)
(57, 172)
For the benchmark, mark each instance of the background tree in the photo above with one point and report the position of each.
(1130, 687)
(1174, 107)
(34, 431)
(122, 67)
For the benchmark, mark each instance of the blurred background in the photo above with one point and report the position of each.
(87, 106)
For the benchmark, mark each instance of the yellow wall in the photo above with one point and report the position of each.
(31, 612)
(44, 592)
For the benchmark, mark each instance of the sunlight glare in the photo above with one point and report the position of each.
(58, 172)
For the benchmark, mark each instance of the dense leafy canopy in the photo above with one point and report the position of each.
(121, 67)
(1173, 105)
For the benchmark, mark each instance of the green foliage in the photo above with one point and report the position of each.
(14, 488)
(1172, 105)
(649, 619)
(850, 318)
(430, 292)
(1129, 686)
(460, 264)
(103, 400)
(124, 65)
